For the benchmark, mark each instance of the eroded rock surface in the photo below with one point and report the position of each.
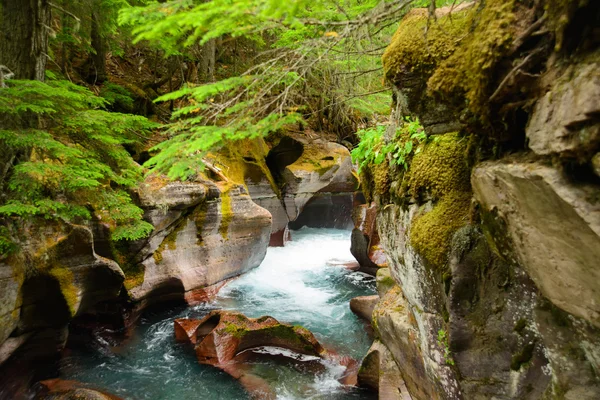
(224, 339)
(215, 239)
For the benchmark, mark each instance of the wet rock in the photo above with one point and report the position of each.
(363, 306)
(221, 335)
(379, 372)
(349, 265)
(225, 339)
(59, 389)
(565, 120)
(553, 227)
(365, 242)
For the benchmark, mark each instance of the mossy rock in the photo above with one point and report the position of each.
(421, 43)
(468, 72)
(440, 173)
(441, 168)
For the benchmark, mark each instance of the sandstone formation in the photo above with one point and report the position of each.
(221, 234)
(311, 173)
(56, 277)
(491, 231)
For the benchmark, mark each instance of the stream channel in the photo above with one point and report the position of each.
(293, 284)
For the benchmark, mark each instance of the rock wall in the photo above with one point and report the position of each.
(312, 174)
(492, 231)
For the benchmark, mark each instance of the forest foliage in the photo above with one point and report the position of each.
(266, 66)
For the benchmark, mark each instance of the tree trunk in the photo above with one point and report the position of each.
(97, 61)
(24, 37)
(207, 66)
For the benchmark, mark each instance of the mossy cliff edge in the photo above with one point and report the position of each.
(492, 229)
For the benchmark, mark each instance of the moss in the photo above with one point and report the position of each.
(246, 161)
(65, 279)
(468, 72)
(417, 48)
(431, 233)
(226, 214)
(169, 242)
(522, 357)
(381, 178)
(441, 168)
(235, 330)
(440, 172)
(134, 272)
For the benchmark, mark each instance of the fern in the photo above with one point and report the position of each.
(373, 148)
(76, 165)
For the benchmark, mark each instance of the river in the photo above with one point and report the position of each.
(293, 284)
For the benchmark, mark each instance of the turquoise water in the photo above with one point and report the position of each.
(293, 284)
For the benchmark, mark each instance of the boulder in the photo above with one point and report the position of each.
(363, 306)
(222, 335)
(227, 339)
(552, 228)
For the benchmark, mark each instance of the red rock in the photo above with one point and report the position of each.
(220, 338)
(59, 389)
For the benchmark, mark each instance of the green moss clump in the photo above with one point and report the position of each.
(64, 277)
(226, 214)
(520, 325)
(467, 73)
(440, 172)
(431, 233)
(381, 178)
(441, 168)
(418, 48)
(235, 330)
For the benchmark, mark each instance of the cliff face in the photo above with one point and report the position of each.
(492, 233)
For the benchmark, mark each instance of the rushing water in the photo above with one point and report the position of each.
(294, 284)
